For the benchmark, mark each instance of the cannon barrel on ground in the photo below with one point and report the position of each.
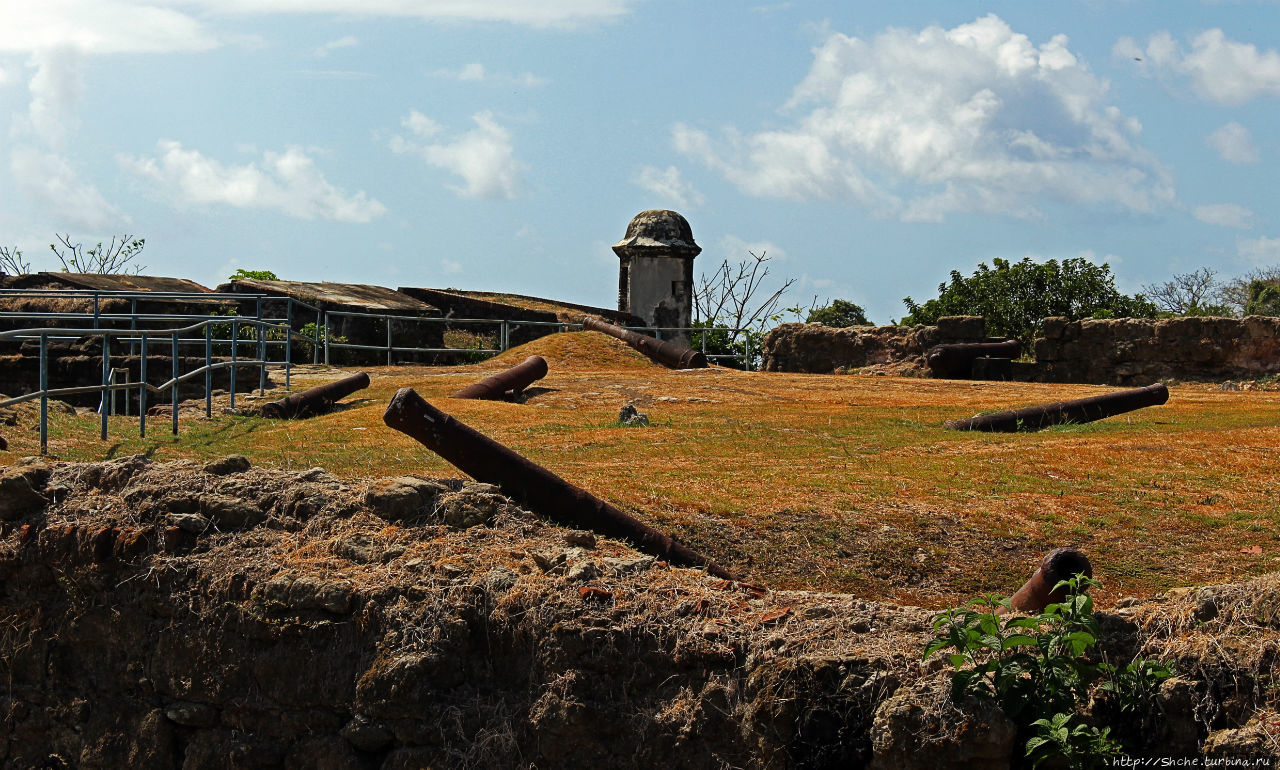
(668, 354)
(486, 460)
(954, 360)
(315, 400)
(509, 383)
(1065, 412)
(1058, 565)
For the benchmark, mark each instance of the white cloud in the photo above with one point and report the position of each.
(1225, 215)
(736, 249)
(477, 73)
(450, 267)
(163, 26)
(347, 41)
(50, 180)
(287, 182)
(483, 157)
(1234, 143)
(56, 88)
(669, 187)
(1259, 251)
(922, 124)
(100, 27)
(1218, 69)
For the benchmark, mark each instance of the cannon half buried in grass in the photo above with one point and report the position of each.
(317, 400)
(666, 353)
(509, 384)
(954, 360)
(1058, 565)
(486, 460)
(1065, 412)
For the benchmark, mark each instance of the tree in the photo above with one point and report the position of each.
(838, 314)
(11, 261)
(1236, 292)
(112, 259)
(1195, 293)
(730, 297)
(1015, 296)
(1264, 298)
(253, 275)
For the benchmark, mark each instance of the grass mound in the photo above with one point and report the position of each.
(576, 350)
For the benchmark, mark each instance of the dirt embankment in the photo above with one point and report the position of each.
(217, 615)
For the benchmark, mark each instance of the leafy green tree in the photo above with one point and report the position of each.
(253, 275)
(1015, 296)
(1264, 298)
(838, 314)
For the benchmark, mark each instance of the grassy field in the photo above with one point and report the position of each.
(827, 483)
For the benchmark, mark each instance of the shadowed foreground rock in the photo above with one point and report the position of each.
(169, 616)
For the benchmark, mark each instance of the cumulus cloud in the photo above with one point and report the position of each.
(1259, 251)
(669, 187)
(483, 157)
(56, 88)
(1225, 215)
(50, 180)
(922, 124)
(1218, 69)
(287, 182)
(1234, 143)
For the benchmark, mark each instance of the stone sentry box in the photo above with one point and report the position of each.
(655, 274)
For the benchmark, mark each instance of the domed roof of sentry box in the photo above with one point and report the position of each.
(658, 233)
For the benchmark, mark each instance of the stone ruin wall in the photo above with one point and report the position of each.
(1124, 351)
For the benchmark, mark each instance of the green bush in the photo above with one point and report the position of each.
(1039, 670)
(839, 314)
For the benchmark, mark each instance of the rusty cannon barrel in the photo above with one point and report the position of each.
(666, 353)
(508, 384)
(316, 400)
(954, 360)
(486, 460)
(1057, 565)
(1065, 412)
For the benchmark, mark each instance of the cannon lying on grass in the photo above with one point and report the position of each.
(1058, 565)
(1065, 412)
(317, 400)
(509, 384)
(668, 354)
(486, 460)
(954, 361)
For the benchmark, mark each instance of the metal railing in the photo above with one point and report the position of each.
(110, 385)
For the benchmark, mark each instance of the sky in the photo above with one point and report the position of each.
(867, 149)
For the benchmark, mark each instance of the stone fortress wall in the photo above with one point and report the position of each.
(1123, 351)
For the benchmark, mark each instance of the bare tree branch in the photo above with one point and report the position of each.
(112, 259)
(11, 262)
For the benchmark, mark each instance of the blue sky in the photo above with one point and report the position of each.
(503, 145)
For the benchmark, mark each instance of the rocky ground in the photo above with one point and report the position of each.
(218, 615)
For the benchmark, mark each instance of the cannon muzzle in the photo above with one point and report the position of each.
(1065, 412)
(508, 384)
(1058, 565)
(486, 460)
(317, 400)
(668, 354)
(954, 361)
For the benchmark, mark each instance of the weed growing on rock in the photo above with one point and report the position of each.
(1039, 669)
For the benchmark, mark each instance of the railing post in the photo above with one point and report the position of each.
(173, 356)
(142, 389)
(388, 320)
(504, 336)
(105, 406)
(288, 355)
(326, 338)
(262, 357)
(95, 310)
(44, 394)
(208, 371)
(235, 343)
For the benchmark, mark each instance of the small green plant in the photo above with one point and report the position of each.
(1039, 669)
(253, 275)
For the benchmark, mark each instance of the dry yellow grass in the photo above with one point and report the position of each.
(834, 483)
